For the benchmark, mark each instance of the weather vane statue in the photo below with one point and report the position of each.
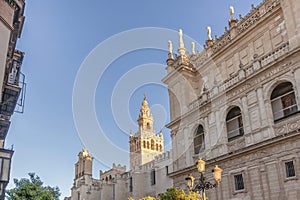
(231, 9)
(170, 46)
(181, 44)
(208, 30)
(193, 48)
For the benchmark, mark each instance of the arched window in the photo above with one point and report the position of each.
(234, 123)
(148, 145)
(283, 101)
(152, 144)
(160, 147)
(156, 147)
(199, 139)
(144, 144)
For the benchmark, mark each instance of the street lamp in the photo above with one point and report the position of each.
(203, 185)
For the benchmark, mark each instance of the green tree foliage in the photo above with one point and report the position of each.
(32, 189)
(174, 194)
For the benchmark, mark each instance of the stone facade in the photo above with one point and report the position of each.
(243, 90)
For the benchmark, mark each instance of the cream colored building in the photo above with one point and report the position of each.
(11, 78)
(236, 104)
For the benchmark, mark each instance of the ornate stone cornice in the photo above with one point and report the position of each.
(255, 15)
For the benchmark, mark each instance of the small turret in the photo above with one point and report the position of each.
(84, 164)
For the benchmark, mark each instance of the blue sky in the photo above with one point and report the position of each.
(56, 39)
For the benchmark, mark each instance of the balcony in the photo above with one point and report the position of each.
(10, 98)
(13, 87)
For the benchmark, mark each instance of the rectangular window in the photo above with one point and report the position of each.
(153, 181)
(130, 185)
(239, 182)
(290, 170)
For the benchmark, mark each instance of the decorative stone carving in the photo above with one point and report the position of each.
(232, 21)
(209, 41)
(181, 49)
(231, 9)
(193, 48)
(236, 144)
(170, 48)
(208, 30)
(287, 126)
(223, 41)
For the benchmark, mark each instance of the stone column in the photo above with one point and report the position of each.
(174, 148)
(246, 119)
(188, 138)
(207, 139)
(297, 86)
(218, 125)
(262, 108)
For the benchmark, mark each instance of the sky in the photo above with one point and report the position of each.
(60, 40)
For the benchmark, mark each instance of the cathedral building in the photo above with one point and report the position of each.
(236, 105)
(148, 174)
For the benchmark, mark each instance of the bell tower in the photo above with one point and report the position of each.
(84, 185)
(84, 165)
(145, 144)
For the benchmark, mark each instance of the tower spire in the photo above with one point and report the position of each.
(145, 119)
